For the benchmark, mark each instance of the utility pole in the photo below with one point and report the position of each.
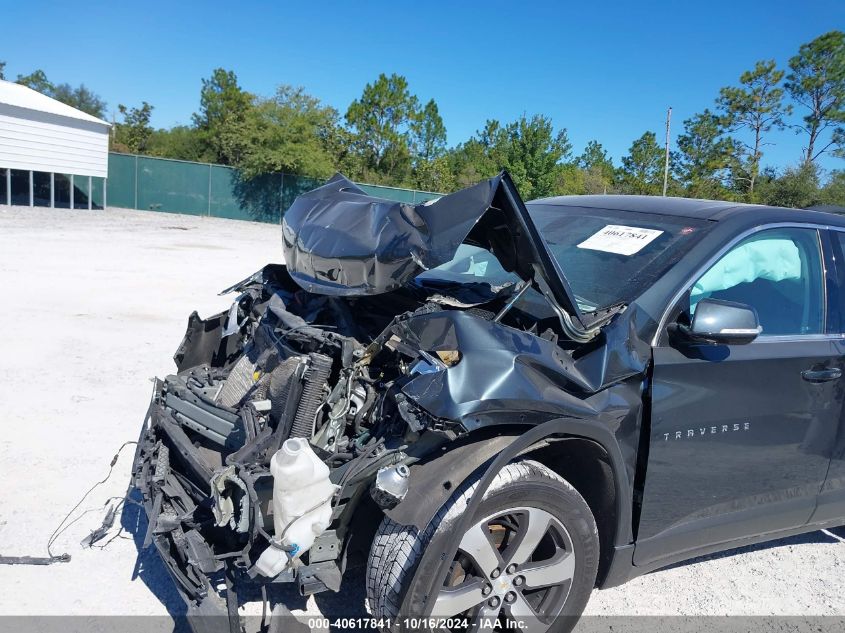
(666, 165)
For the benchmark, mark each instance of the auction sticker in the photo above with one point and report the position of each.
(622, 240)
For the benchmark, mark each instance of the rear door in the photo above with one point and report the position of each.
(831, 502)
(739, 436)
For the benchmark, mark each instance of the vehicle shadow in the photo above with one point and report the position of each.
(832, 536)
(347, 604)
(149, 568)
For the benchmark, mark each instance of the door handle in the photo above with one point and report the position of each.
(821, 375)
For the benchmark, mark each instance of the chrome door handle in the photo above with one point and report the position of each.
(821, 375)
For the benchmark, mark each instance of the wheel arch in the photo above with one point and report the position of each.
(586, 465)
(562, 445)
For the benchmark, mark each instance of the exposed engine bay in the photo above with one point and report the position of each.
(285, 364)
(331, 375)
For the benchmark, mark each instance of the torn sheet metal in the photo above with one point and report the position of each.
(340, 241)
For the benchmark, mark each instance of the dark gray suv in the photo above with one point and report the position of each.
(511, 403)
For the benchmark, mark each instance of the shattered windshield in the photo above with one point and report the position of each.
(607, 256)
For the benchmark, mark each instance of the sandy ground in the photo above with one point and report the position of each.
(95, 303)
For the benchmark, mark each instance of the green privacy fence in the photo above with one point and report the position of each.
(175, 186)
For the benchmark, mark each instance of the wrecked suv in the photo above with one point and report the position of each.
(497, 406)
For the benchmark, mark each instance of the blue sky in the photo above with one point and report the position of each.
(603, 70)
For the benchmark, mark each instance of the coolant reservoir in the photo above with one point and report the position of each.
(300, 482)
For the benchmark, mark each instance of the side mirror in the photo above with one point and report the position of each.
(722, 323)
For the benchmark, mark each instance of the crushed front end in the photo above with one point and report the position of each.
(343, 357)
(281, 364)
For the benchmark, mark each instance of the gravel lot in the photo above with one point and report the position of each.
(95, 305)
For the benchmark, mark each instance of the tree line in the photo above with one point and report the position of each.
(392, 137)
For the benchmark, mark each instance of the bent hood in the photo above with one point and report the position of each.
(338, 240)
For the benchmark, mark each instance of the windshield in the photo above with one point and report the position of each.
(607, 256)
(610, 256)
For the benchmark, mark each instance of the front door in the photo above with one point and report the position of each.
(739, 434)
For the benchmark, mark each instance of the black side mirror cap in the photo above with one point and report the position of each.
(718, 322)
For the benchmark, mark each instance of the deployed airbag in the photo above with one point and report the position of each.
(770, 259)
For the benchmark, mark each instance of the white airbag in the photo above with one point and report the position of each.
(771, 259)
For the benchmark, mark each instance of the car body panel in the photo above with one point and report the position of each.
(734, 428)
(537, 383)
(831, 500)
(340, 241)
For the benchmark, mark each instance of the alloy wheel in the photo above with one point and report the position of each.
(515, 565)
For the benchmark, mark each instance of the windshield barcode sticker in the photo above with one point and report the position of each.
(622, 240)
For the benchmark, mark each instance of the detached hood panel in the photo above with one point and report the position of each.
(340, 241)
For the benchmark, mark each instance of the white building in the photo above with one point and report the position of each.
(50, 153)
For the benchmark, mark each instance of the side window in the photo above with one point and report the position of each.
(779, 273)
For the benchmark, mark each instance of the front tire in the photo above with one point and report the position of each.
(530, 554)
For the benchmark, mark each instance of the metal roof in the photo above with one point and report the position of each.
(828, 208)
(686, 207)
(19, 96)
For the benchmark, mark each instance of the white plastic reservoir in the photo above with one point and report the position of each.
(302, 495)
